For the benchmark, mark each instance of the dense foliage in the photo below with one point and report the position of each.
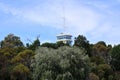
(115, 57)
(58, 61)
(64, 63)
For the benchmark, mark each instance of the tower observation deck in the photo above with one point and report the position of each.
(65, 38)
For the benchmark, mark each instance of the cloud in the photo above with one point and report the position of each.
(94, 18)
(81, 18)
(51, 14)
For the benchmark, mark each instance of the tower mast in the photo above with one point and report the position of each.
(64, 37)
(64, 18)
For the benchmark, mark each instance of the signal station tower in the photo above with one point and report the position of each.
(64, 37)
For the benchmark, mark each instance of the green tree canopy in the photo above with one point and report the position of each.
(20, 72)
(6, 54)
(104, 71)
(54, 45)
(24, 57)
(64, 63)
(49, 45)
(115, 57)
(82, 42)
(102, 50)
(102, 43)
(93, 76)
(34, 45)
(11, 41)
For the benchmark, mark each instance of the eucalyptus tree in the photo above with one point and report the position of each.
(64, 63)
(115, 57)
(11, 41)
(82, 42)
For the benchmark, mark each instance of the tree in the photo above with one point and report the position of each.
(49, 45)
(60, 44)
(64, 63)
(20, 72)
(104, 71)
(102, 43)
(24, 57)
(116, 76)
(93, 76)
(82, 42)
(34, 45)
(54, 45)
(6, 54)
(97, 60)
(20, 63)
(102, 50)
(11, 41)
(115, 57)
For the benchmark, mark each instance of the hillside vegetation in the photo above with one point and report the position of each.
(58, 61)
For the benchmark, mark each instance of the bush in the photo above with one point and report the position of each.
(64, 63)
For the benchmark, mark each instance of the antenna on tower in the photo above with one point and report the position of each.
(38, 36)
(64, 18)
(29, 40)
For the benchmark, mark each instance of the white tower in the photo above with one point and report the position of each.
(64, 37)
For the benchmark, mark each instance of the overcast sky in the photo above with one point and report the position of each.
(96, 19)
